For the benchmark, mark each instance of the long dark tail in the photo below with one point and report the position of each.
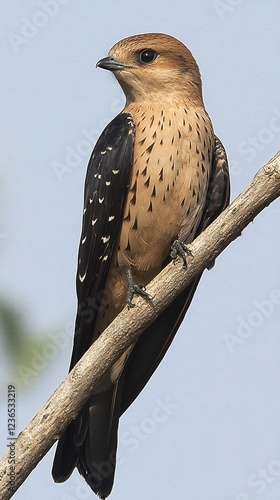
(90, 443)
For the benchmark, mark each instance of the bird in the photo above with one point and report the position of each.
(157, 177)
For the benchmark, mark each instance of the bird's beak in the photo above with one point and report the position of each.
(110, 63)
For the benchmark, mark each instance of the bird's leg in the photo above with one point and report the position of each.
(133, 289)
(180, 249)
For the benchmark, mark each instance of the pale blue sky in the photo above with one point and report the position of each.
(218, 388)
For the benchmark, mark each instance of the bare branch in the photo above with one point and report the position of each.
(46, 427)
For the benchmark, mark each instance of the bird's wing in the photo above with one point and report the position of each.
(219, 187)
(154, 342)
(106, 185)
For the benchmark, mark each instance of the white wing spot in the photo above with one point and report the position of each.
(103, 152)
(91, 200)
(101, 200)
(99, 176)
(93, 222)
(109, 148)
(82, 278)
(105, 239)
(84, 211)
(111, 218)
(105, 257)
(108, 183)
(84, 239)
(115, 172)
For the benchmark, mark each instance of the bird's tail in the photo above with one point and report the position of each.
(66, 456)
(97, 456)
(90, 443)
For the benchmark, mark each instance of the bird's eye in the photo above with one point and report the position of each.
(147, 56)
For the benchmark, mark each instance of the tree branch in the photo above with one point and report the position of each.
(46, 427)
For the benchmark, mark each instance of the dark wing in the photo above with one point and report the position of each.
(106, 185)
(154, 342)
(218, 193)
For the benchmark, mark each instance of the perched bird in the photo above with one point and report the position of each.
(156, 178)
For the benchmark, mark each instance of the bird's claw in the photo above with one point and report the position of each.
(180, 249)
(139, 290)
(133, 289)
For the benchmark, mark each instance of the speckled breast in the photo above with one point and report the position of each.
(172, 161)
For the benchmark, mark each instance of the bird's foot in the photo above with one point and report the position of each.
(180, 249)
(134, 289)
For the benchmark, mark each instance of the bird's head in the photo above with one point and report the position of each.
(154, 66)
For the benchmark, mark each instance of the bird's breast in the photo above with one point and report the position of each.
(172, 159)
